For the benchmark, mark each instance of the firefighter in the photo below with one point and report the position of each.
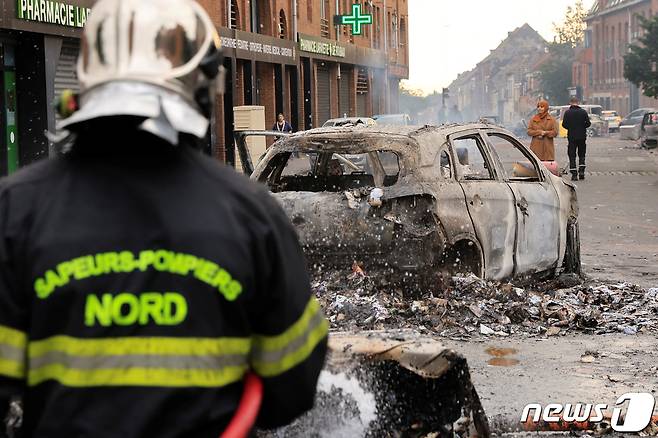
(140, 280)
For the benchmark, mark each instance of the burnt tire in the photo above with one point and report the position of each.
(572, 263)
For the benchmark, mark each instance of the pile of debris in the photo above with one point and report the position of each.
(470, 307)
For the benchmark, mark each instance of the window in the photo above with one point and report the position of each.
(403, 38)
(472, 164)
(324, 20)
(322, 171)
(446, 167)
(283, 25)
(235, 15)
(518, 166)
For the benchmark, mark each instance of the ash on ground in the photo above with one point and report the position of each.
(469, 306)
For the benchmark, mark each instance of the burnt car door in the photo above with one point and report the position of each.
(489, 200)
(331, 197)
(537, 204)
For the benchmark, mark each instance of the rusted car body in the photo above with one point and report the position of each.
(423, 200)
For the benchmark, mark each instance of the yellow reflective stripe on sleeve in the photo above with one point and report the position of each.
(274, 355)
(143, 361)
(12, 368)
(278, 342)
(12, 352)
(12, 337)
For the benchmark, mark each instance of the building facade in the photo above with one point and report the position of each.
(289, 56)
(612, 25)
(504, 84)
(285, 55)
(39, 43)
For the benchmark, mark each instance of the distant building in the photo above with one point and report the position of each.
(598, 72)
(505, 83)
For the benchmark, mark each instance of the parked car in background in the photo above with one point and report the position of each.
(393, 119)
(649, 130)
(636, 117)
(613, 119)
(489, 119)
(599, 126)
(425, 201)
(347, 121)
(630, 126)
(558, 113)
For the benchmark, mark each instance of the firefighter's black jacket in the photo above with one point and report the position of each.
(576, 121)
(138, 283)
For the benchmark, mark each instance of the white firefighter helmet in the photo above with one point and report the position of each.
(152, 59)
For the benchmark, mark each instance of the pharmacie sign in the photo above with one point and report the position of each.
(321, 48)
(52, 12)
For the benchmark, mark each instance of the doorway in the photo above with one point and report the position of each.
(9, 149)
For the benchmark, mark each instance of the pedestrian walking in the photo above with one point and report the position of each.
(141, 282)
(576, 121)
(543, 128)
(281, 125)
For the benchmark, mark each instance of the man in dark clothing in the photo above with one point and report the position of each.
(576, 121)
(140, 281)
(281, 125)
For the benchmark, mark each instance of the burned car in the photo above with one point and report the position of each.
(649, 130)
(424, 201)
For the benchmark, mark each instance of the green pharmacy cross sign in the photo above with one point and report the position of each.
(356, 20)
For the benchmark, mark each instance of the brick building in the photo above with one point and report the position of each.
(288, 56)
(612, 25)
(285, 55)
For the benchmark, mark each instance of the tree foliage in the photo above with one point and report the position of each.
(555, 73)
(572, 30)
(640, 63)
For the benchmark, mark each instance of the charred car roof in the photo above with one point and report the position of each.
(317, 138)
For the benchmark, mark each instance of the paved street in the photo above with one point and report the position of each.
(619, 230)
(619, 211)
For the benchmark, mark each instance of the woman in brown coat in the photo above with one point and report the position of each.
(543, 129)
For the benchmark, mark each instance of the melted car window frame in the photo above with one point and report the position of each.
(320, 179)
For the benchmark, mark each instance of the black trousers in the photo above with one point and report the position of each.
(577, 147)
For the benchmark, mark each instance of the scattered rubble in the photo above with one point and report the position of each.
(471, 307)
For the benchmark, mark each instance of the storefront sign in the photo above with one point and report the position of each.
(321, 48)
(356, 20)
(256, 47)
(52, 12)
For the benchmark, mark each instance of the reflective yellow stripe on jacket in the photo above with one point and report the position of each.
(139, 361)
(167, 362)
(12, 352)
(274, 355)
